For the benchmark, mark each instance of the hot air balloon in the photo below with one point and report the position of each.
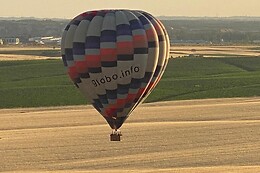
(115, 58)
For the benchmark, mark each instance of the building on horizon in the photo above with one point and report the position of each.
(50, 40)
(10, 40)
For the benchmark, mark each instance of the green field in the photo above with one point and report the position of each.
(38, 83)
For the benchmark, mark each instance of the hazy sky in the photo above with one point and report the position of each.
(70, 8)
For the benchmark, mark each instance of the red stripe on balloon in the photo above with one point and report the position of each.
(120, 103)
(81, 66)
(108, 54)
(72, 72)
(93, 60)
(110, 112)
(150, 34)
(140, 41)
(125, 47)
(130, 98)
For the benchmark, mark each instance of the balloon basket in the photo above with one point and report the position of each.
(115, 135)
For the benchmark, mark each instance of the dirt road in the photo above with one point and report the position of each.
(215, 135)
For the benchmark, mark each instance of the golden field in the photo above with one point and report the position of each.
(175, 51)
(212, 135)
(216, 51)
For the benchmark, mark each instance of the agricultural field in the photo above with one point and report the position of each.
(202, 117)
(194, 136)
(39, 83)
(216, 51)
(196, 78)
(14, 53)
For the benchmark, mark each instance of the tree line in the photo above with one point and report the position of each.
(180, 30)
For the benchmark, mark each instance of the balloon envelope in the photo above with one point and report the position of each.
(115, 58)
